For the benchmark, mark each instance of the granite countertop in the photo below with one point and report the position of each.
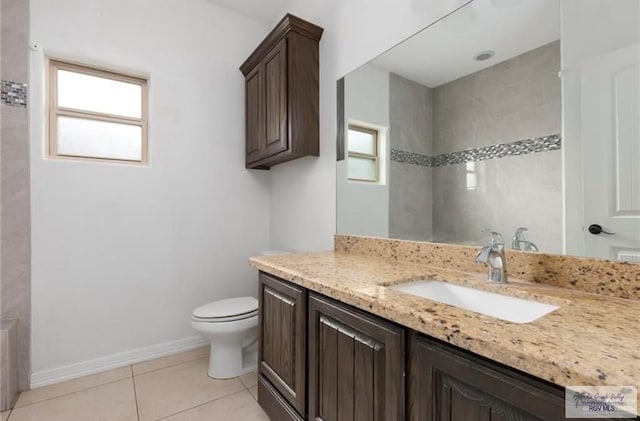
(590, 340)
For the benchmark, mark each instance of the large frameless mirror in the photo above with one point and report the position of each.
(515, 116)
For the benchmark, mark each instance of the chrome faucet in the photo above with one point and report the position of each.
(493, 255)
(518, 242)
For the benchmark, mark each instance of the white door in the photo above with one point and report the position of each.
(610, 89)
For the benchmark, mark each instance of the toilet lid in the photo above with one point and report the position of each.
(227, 308)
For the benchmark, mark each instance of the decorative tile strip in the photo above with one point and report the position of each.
(14, 94)
(520, 147)
(411, 158)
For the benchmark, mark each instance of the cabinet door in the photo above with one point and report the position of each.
(275, 88)
(356, 365)
(255, 122)
(446, 384)
(283, 338)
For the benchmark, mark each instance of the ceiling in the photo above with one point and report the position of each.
(266, 11)
(444, 52)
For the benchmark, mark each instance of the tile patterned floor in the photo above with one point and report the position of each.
(173, 388)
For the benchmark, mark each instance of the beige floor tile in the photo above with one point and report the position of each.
(4, 415)
(64, 388)
(238, 407)
(254, 392)
(249, 380)
(174, 389)
(170, 360)
(109, 402)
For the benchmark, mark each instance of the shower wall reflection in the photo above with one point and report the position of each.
(478, 152)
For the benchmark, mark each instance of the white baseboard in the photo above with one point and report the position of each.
(121, 359)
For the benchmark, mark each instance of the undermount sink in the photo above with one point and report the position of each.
(505, 307)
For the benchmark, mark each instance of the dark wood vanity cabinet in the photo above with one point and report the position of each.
(322, 360)
(446, 384)
(282, 349)
(356, 364)
(282, 95)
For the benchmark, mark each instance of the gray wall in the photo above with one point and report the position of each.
(15, 271)
(517, 99)
(410, 191)
(513, 100)
(364, 207)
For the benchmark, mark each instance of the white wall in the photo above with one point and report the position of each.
(122, 254)
(364, 207)
(303, 192)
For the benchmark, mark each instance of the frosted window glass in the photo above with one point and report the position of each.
(99, 139)
(362, 142)
(98, 94)
(362, 169)
(472, 177)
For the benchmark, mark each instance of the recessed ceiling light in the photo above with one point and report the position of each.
(484, 55)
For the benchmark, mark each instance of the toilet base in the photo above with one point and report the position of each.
(227, 360)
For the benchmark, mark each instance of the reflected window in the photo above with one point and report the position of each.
(96, 114)
(472, 176)
(363, 152)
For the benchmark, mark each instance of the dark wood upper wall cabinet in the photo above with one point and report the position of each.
(282, 95)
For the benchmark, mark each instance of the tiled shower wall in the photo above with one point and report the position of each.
(410, 186)
(513, 100)
(440, 193)
(14, 167)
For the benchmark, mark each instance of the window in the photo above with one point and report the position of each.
(362, 147)
(472, 176)
(96, 114)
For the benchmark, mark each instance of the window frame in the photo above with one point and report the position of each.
(374, 157)
(55, 111)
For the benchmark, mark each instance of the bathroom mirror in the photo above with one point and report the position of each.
(508, 115)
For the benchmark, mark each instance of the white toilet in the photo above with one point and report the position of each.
(232, 327)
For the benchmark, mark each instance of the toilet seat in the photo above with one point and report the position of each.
(228, 310)
(225, 319)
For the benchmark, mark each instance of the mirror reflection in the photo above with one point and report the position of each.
(496, 119)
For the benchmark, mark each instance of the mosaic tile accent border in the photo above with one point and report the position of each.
(14, 94)
(520, 147)
(411, 158)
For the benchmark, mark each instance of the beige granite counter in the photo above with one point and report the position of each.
(605, 277)
(590, 340)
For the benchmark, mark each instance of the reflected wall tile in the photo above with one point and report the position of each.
(410, 201)
(539, 63)
(497, 101)
(542, 120)
(15, 185)
(504, 73)
(410, 185)
(553, 168)
(511, 192)
(509, 101)
(452, 93)
(15, 40)
(410, 115)
(498, 130)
